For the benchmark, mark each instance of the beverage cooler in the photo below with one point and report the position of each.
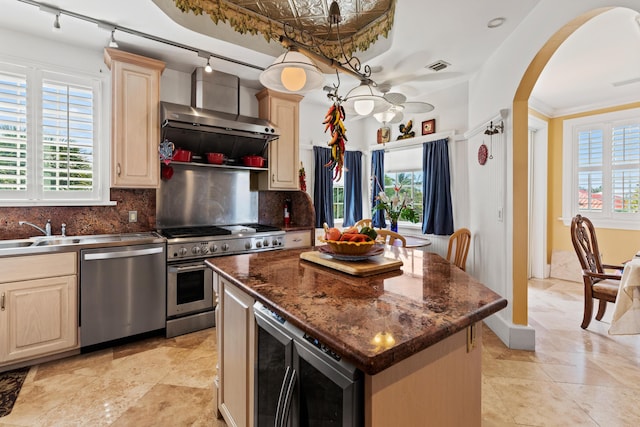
(299, 381)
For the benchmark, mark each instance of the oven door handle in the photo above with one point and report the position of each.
(186, 268)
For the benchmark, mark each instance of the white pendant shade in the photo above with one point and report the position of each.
(392, 115)
(366, 100)
(292, 72)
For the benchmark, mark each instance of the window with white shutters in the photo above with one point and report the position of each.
(601, 169)
(67, 137)
(49, 132)
(13, 132)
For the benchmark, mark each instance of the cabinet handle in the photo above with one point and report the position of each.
(273, 177)
(118, 169)
(2, 302)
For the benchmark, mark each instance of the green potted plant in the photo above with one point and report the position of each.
(398, 206)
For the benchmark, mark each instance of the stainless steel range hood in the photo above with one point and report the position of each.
(213, 124)
(207, 131)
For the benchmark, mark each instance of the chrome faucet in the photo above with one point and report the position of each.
(47, 228)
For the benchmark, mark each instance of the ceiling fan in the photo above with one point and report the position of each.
(399, 106)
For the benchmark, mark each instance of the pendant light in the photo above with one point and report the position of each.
(292, 72)
(366, 100)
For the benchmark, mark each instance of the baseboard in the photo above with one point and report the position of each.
(516, 337)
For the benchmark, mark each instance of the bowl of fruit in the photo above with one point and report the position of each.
(350, 241)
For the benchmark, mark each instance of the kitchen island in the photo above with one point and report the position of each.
(412, 332)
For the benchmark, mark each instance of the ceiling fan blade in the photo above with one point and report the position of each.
(395, 98)
(417, 107)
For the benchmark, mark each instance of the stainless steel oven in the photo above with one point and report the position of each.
(190, 298)
(190, 289)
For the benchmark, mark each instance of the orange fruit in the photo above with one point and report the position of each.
(332, 234)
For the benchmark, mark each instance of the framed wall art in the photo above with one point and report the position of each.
(429, 126)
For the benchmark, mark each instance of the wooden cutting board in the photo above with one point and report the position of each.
(370, 266)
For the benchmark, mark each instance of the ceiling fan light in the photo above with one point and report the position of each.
(292, 72)
(365, 100)
(385, 116)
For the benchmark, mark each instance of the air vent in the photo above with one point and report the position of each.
(438, 65)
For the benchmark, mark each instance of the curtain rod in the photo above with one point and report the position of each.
(414, 142)
(108, 25)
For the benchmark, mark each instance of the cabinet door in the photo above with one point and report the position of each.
(38, 317)
(284, 155)
(236, 350)
(135, 126)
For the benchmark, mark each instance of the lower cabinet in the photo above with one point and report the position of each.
(38, 314)
(236, 354)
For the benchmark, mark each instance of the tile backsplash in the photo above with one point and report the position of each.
(83, 220)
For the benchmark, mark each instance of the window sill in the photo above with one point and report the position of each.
(26, 203)
(616, 224)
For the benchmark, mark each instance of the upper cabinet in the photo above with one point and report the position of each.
(135, 119)
(282, 110)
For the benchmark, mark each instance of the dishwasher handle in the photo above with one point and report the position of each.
(122, 254)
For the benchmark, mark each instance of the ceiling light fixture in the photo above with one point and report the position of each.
(292, 72)
(112, 42)
(56, 22)
(365, 100)
(207, 68)
(496, 22)
(296, 71)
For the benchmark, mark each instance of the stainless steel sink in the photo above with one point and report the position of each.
(57, 241)
(13, 244)
(38, 244)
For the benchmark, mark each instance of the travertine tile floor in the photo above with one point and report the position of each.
(574, 378)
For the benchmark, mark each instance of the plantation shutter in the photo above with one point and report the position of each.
(67, 137)
(625, 168)
(13, 132)
(590, 169)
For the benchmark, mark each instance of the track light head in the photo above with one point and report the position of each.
(56, 22)
(207, 67)
(112, 42)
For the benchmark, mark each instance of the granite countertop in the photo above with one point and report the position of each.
(426, 301)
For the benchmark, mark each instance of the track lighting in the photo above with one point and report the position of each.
(208, 68)
(113, 42)
(56, 22)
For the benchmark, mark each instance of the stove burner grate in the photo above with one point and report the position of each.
(181, 232)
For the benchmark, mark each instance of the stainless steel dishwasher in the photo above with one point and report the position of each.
(122, 292)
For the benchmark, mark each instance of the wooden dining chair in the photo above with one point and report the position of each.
(389, 237)
(598, 283)
(366, 222)
(458, 249)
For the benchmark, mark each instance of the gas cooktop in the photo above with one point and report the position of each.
(213, 230)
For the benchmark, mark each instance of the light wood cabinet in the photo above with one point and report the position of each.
(297, 239)
(135, 119)
(284, 153)
(39, 306)
(236, 354)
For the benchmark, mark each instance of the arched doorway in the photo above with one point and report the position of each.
(521, 159)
